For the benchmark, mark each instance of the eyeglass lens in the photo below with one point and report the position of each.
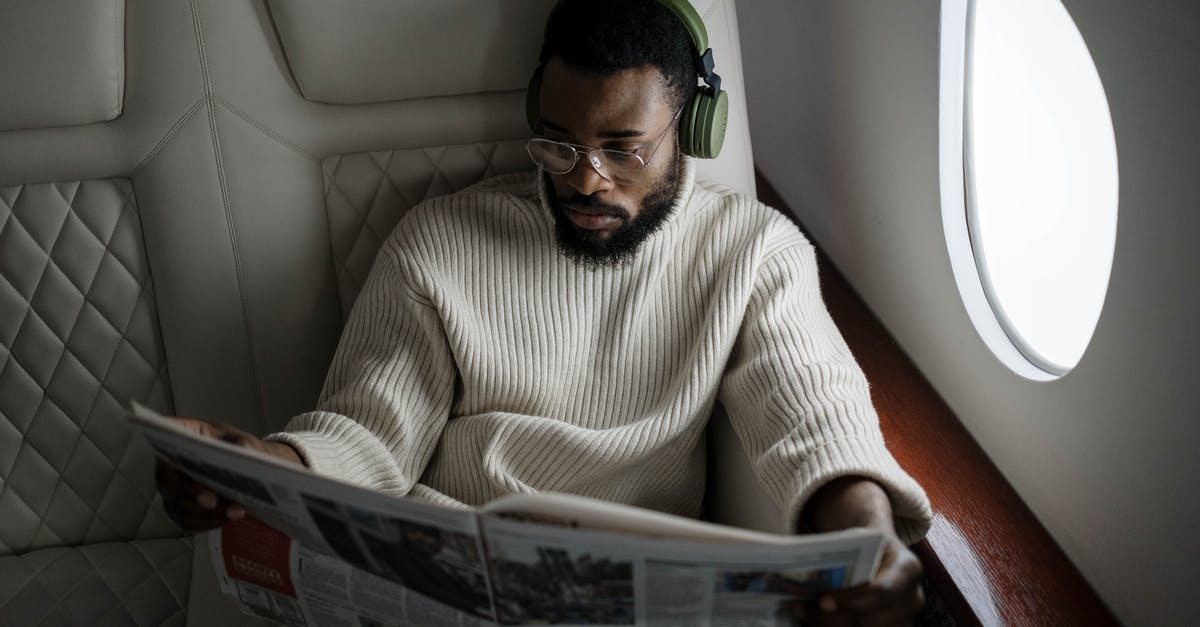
(559, 158)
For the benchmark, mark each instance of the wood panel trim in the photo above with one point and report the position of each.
(987, 556)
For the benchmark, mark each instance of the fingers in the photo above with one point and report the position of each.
(895, 585)
(192, 506)
(216, 430)
(903, 614)
(233, 435)
(893, 597)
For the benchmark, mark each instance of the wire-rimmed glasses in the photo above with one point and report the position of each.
(617, 166)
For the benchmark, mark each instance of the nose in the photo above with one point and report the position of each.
(585, 176)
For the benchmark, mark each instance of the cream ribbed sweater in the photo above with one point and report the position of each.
(479, 361)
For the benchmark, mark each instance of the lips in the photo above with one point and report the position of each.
(592, 218)
(589, 218)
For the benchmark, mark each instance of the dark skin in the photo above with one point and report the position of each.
(627, 111)
(606, 112)
(893, 596)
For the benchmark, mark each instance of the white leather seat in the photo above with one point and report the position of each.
(186, 219)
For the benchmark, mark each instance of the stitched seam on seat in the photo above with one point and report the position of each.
(160, 571)
(326, 187)
(437, 165)
(41, 274)
(118, 50)
(13, 359)
(229, 222)
(16, 199)
(3, 228)
(341, 265)
(122, 332)
(147, 283)
(29, 543)
(344, 270)
(91, 412)
(105, 241)
(116, 458)
(85, 578)
(163, 372)
(142, 284)
(262, 128)
(385, 180)
(170, 134)
(42, 520)
(34, 576)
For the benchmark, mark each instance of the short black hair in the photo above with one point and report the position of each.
(608, 36)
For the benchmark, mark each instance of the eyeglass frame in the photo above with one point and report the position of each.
(578, 149)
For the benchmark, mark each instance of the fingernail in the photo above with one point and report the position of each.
(827, 604)
(207, 500)
(235, 512)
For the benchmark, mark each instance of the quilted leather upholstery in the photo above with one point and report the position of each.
(367, 193)
(116, 583)
(78, 339)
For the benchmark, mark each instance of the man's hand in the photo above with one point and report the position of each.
(894, 595)
(191, 505)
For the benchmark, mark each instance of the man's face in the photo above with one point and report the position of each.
(600, 221)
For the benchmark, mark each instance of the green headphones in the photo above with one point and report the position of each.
(702, 123)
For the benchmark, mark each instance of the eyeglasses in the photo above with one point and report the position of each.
(617, 166)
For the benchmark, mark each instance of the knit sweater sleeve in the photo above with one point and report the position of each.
(389, 388)
(799, 402)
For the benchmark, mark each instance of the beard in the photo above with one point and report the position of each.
(589, 249)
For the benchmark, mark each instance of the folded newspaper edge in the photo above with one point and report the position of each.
(318, 550)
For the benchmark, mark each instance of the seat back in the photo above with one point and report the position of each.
(191, 195)
(82, 536)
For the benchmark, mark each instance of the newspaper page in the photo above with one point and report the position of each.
(569, 510)
(255, 565)
(548, 574)
(342, 533)
(326, 552)
(271, 576)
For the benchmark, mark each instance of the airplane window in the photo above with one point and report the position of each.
(1040, 162)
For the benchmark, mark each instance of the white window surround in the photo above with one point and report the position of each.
(991, 303)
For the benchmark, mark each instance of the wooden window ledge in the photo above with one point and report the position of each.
(987, 557)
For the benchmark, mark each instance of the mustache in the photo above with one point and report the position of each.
(593, 202)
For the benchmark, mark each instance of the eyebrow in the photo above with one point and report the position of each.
(624, 134)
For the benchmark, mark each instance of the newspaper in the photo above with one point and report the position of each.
(318, 551)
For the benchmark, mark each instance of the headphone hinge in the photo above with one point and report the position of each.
(704, 67)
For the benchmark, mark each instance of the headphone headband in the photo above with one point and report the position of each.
(691, 21)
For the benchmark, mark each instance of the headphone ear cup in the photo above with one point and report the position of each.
(687, 127)
(712, 117)
(533, 99)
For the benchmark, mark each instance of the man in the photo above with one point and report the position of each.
(571, 330)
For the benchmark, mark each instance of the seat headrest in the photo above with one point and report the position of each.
(62, 63)
(363, 51)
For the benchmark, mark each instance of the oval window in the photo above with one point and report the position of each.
(1040, 162)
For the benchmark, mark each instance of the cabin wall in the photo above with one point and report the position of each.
(843, 103)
